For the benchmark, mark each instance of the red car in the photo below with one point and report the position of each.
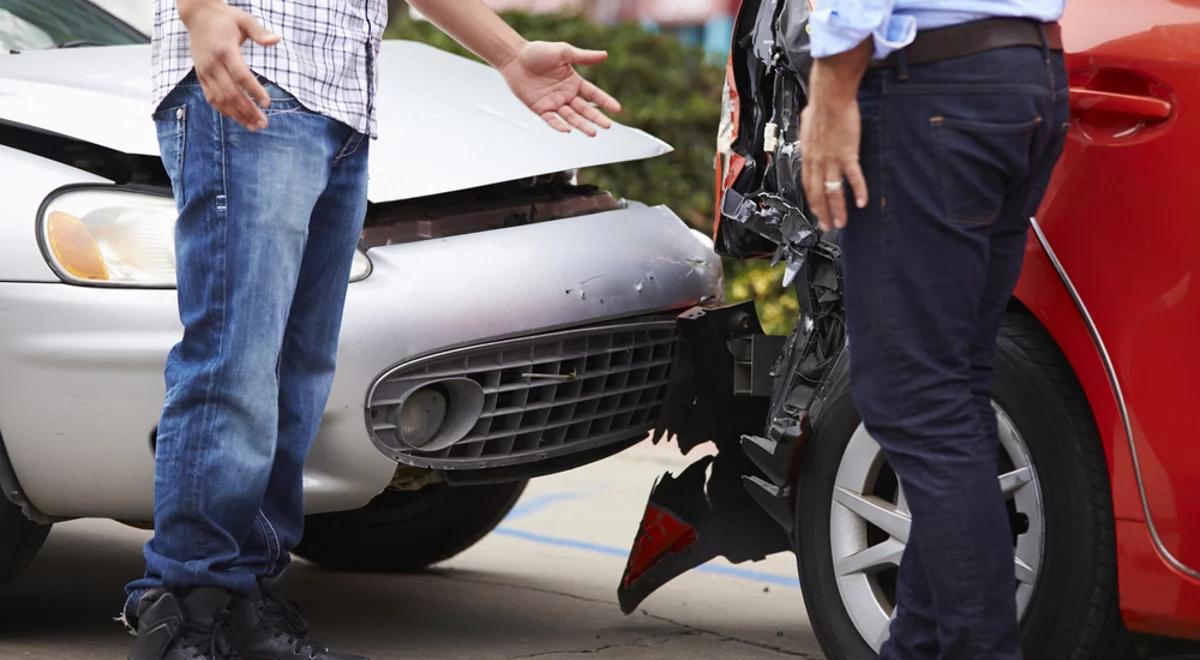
(1111, 276)
(1098, 367)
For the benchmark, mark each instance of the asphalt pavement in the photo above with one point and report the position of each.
(543, 585)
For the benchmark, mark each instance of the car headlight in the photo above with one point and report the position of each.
(118, 237)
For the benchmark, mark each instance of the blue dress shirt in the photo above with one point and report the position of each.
(836, 26)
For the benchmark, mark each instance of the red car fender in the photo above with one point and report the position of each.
(1155, 597)
(1042, 291)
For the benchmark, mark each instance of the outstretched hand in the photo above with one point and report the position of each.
(543, 76)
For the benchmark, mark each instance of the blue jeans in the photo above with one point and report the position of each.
(268, 225)
(957, 156)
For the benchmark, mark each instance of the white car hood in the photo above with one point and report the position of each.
(445, 123)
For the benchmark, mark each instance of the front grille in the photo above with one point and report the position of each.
(544, 396)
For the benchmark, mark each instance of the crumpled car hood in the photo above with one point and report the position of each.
(446, 123)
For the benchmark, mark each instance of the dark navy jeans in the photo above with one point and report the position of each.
(957, 155)
(268, 224)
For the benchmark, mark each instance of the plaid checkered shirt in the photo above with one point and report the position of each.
(326, 58)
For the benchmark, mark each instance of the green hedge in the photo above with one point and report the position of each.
(670, 90)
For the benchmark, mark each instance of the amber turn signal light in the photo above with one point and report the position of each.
(74, 247)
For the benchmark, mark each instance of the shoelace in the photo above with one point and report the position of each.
(213, 637)
(287, 616)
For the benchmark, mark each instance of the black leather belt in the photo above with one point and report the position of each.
(974, 37)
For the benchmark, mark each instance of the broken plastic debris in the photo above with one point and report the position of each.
(770, 137)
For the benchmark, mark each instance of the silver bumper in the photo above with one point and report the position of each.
(81, 368)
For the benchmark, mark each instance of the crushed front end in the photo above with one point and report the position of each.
(755, 396)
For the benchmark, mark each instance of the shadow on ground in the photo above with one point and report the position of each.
(63, 607)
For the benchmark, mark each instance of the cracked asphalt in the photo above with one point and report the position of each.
(542, 586)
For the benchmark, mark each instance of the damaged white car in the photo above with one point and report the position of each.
(531, 319)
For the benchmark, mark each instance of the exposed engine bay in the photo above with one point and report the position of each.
(755, 396)
(495, 206)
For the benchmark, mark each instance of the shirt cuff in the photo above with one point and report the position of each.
(830, 34)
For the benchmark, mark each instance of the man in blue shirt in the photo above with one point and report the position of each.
(945, 118)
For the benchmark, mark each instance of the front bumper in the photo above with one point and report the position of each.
(81, 371)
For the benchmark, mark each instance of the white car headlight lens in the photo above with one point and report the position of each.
(360, 267)
(120, 237)
(111, 237)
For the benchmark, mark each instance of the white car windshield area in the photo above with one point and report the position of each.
(36, 24)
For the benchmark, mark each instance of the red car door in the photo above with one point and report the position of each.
(1123, 217)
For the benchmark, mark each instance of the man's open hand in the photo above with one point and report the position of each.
(829, 140)
(217, 32)
(543, 76)
(830, 132)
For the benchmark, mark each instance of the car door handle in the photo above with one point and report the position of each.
(1150, 108)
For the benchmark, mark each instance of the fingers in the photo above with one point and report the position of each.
(591, 92)
(218, 89)
(582, 56)
(254, 30)
(858, 184)
(829, 145)
(831, 190)
(835, 196)
(579, 114)
(249, 82)
(237, 104)
(229, 85)
(577, 120)
(814, 192)
(556, 122)
(590, 112)
(227, 97)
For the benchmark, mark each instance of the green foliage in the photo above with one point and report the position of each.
(670, 90)
(777, 308)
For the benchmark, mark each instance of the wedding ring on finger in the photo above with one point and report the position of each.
(833, 186)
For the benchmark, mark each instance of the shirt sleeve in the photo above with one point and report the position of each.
(837, 26)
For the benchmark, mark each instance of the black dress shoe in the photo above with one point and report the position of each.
(175, 627)
(266, 626)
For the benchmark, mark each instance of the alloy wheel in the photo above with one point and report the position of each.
(870, 522)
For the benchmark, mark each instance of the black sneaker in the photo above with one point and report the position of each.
(266, 626)
(175, 627)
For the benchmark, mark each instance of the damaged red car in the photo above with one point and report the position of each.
(1095, 378)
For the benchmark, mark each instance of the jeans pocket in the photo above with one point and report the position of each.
(171, 124)
(281, 105)
(978, 162)
(281, 100)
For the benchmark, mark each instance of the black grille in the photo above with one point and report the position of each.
(544, 396)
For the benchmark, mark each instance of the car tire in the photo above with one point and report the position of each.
(403, 531)
(1071, 608)
(20, 540)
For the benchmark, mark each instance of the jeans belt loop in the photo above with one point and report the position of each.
(901, 65)
(1045, 41)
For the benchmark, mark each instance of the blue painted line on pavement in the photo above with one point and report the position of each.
(529, 506)
(718, 569)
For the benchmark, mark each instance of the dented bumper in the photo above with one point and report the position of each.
(88, 394)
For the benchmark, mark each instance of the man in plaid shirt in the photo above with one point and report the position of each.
(263, 109)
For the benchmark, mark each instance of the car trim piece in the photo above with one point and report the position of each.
(1115, 383)
(656, 321)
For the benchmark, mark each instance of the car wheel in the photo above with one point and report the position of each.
(403, 531)
(20, 540)
(1055, 479)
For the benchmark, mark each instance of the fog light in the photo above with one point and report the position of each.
(420, 416)
(432, 415)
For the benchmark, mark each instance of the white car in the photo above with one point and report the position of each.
(540, 310)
